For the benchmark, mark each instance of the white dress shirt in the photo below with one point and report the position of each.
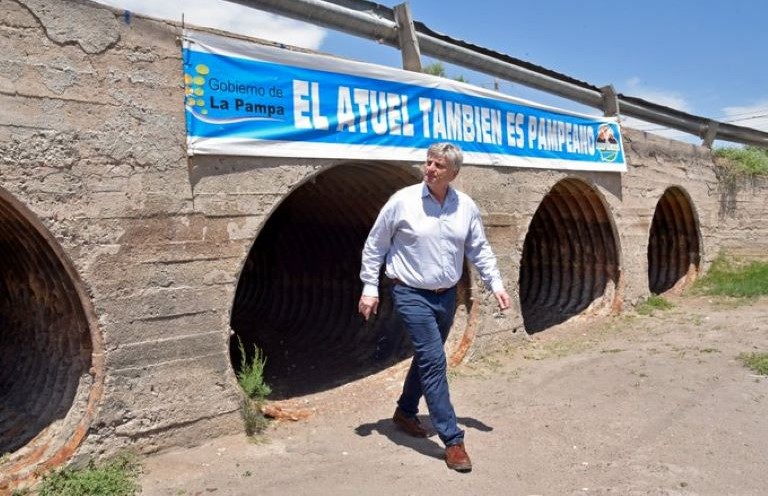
(424, 243)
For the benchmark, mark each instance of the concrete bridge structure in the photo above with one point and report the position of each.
(126, 266)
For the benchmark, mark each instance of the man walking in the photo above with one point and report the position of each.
(422, 235)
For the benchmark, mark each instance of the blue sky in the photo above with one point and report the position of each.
(705, 57)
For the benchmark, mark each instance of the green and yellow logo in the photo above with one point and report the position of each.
(193, 88)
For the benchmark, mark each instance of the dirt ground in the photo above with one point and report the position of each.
(626, 405)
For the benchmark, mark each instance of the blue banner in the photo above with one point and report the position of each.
(249, 99)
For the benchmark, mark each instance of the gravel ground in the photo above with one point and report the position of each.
(627, 405)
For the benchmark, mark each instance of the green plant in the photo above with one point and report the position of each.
(251, 380)
(756, 362)
(253, 419)
(251, 373)
(438, 69)
(653, 302)
(116, 477)
(731, 277)
(750, 160)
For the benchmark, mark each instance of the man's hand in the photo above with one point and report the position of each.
(503, 298)
(368, 305)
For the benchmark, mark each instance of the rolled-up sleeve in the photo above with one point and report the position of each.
(479, 252)
(376, 248)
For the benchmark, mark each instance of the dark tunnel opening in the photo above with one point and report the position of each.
(673, 244)
(45, 338)
(570, 261)
(298, 291)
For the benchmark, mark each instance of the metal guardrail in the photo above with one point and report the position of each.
(394, 27)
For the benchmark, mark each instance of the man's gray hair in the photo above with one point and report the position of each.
(452, 153)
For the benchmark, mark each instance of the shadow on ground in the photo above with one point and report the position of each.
(427, 447)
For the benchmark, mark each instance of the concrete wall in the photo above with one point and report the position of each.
(742, 223)
(92, 143)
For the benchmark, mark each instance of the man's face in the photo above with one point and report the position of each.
(438, 173)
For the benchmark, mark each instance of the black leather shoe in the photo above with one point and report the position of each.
(410, 425)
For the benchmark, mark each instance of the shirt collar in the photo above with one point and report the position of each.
(450, 196)
(424, 190)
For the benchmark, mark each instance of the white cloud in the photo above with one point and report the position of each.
(230, 17)
(660, 130)
(754, 116)
(635, 87)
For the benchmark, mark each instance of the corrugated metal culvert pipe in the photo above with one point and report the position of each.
(298, 291)
(48, 381)
(673, 244)
(570, 260)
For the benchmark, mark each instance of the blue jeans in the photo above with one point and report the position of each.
(428, 317)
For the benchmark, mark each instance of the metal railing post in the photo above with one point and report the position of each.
(710, 134)
(610, 101)
(406, 35)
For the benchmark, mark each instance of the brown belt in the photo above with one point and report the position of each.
(401, 283)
